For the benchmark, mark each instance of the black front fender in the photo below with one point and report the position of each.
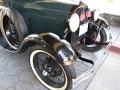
(61, 47)
(102, 22)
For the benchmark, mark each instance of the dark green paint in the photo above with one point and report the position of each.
(43, 15)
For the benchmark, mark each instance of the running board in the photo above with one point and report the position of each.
(86, 75)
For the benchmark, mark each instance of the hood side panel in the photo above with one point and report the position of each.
(43, 15)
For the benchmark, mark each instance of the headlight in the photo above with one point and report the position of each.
(96, 14)
(74, 22)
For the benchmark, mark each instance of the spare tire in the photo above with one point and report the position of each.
(13, 27)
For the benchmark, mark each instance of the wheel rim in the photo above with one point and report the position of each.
(56, 78)
(10, 33)
(97, 39)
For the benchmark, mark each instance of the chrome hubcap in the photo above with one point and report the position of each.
(44, 73)
(8, 32)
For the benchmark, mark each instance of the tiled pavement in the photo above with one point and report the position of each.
(107, 77)
(16, 73)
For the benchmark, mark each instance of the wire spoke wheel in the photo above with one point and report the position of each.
(49, 72)
(10, 33)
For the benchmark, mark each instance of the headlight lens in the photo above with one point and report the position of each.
(74, 22)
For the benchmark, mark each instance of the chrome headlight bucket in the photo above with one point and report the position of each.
(96, 14)
(74, 22)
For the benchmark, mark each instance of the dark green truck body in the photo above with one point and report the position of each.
(43, 15)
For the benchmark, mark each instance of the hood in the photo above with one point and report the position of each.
(51, 5)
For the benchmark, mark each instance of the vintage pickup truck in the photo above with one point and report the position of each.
(50, 28)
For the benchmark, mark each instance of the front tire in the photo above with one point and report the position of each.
(51, 73)
(94, 47)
